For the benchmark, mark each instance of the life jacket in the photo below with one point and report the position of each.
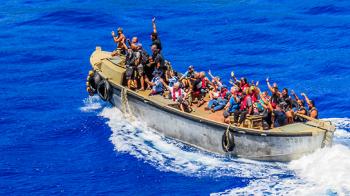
(274, 100)
(312, 109)
(244, 103)
(204, 84)
(254, 97)
(144, 56)
(173, 93)
(246, 85)
(223, 94)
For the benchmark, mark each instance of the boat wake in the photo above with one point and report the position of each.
(324, 172)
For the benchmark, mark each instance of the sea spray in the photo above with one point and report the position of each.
(91, 103)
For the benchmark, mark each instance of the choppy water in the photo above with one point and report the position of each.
(55, 140)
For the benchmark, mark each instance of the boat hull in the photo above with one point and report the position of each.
(208, 136)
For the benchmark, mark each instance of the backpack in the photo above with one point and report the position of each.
(144, 57)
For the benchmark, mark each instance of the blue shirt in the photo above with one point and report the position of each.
(233, 104)
(172, 81)
(158, 87)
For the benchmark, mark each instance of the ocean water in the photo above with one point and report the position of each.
(57, 140)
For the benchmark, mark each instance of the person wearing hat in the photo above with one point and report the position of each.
(154, 36)
(188, 76)
(120, 41)
(313, 112)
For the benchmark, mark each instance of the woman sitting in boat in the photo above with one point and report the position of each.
(313, 112)
(171, 77)
(179, 96)
(263, 108)
(215, 79)
(218, 99)
(299, 108)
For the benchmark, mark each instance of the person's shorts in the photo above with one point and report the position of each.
(140, 70)
(129, 72)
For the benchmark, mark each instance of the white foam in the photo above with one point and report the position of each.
(91, 103)
(328, 169)
(324, 172)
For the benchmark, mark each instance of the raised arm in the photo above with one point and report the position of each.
(211, 75)
(154, 25)
(295, 95)
(269, 86)
(215, 78)
(233, 76)
(306, 98)
(115, 38)
(269, 106)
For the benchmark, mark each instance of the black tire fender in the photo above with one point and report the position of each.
(104, 90)
(94, 81)
(228, 141)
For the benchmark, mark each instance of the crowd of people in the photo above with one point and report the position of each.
(244, 98)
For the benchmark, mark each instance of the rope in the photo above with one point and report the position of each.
(124, 99)
(125, 104)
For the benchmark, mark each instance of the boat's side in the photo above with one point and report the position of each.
(209, 136)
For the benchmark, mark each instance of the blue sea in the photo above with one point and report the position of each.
(56, 140)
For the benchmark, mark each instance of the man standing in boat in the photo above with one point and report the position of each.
(154, 36)
(120, 41)
(158, 60)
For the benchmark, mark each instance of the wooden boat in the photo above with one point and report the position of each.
(201, 128)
